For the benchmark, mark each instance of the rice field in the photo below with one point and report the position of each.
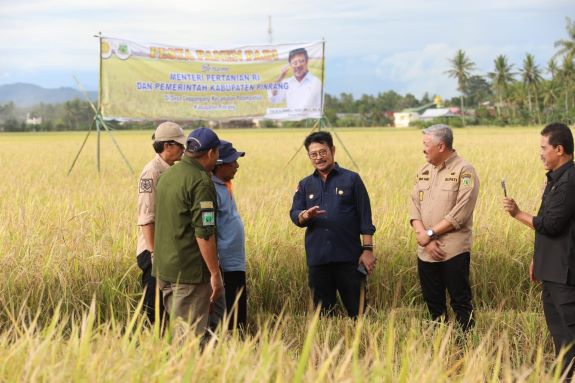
(70, 295)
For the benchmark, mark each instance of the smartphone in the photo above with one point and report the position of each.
(504, 187)
(361, 269)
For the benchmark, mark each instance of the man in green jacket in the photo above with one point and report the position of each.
(185, 255)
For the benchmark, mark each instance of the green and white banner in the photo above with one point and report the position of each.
(152, 81)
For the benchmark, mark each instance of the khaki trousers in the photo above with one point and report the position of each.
(187, 302)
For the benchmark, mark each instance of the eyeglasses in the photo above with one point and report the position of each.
(320, 153)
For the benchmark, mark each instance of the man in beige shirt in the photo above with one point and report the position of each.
(442, 204)
(169, 140)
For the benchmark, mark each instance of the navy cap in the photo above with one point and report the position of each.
(228, 153)
(202, 140)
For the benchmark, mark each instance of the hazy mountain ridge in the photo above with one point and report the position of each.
(22, 94)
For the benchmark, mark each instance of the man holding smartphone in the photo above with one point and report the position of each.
(442, 204)
(553, 261)
(334, 206)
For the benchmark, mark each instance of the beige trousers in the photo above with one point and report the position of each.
(187, 302)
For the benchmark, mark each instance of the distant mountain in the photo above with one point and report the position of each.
(29, 94)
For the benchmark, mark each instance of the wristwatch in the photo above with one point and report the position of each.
(431, 234)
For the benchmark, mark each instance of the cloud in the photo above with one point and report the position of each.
(402, 45)
(419, 71)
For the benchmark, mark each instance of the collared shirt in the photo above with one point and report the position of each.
(334, 236)
(554, 258)
(448, 191)
(147, 196)
(231, 237)
(186, 205)
(304, 95)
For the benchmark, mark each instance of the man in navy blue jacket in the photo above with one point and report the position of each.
(333, 204)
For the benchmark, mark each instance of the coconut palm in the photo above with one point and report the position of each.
(566, 76)
(551, 89)
(531, 76)
(567, 46)
(461, 68)
(501, 78)
(552, 68)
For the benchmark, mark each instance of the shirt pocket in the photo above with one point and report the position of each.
(448, 192)
(423, 189)
(312, 198)
(344, 199)
(556, 195)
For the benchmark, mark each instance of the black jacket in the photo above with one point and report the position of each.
(554, 224)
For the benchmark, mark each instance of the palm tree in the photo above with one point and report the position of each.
(567, 46)
(551, 89)
(461, 68)
(552, 68)
(501, 78)
(531, 76)
(567, 77)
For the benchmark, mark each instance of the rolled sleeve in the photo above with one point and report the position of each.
(415, 212)
(203, 211)
(363, 208)
(466, 199)
(147, 198)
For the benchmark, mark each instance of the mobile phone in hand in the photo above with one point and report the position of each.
(361, 269)
(504, 187)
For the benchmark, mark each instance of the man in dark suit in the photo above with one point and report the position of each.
(553, 262)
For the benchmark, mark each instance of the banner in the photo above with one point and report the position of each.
(161, 82)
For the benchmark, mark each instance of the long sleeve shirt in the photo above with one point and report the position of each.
(231, 236)
(448, 191)
(554, 258)
(334, 236)
(186, 206)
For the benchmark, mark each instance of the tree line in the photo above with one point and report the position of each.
(521, 95)
(509, 94)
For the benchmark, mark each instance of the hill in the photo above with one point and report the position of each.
(23, 95)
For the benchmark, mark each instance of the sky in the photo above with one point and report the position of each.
(372, 46)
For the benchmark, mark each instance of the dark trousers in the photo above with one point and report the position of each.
(234, 284)
(326, 280)
(149, 285)
(559, 309)
(453, 275)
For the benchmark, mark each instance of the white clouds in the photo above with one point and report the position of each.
(419, 71)
(405, 44)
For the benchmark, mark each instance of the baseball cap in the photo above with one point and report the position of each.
(201, 140)
(169, 131)
(228, 153)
